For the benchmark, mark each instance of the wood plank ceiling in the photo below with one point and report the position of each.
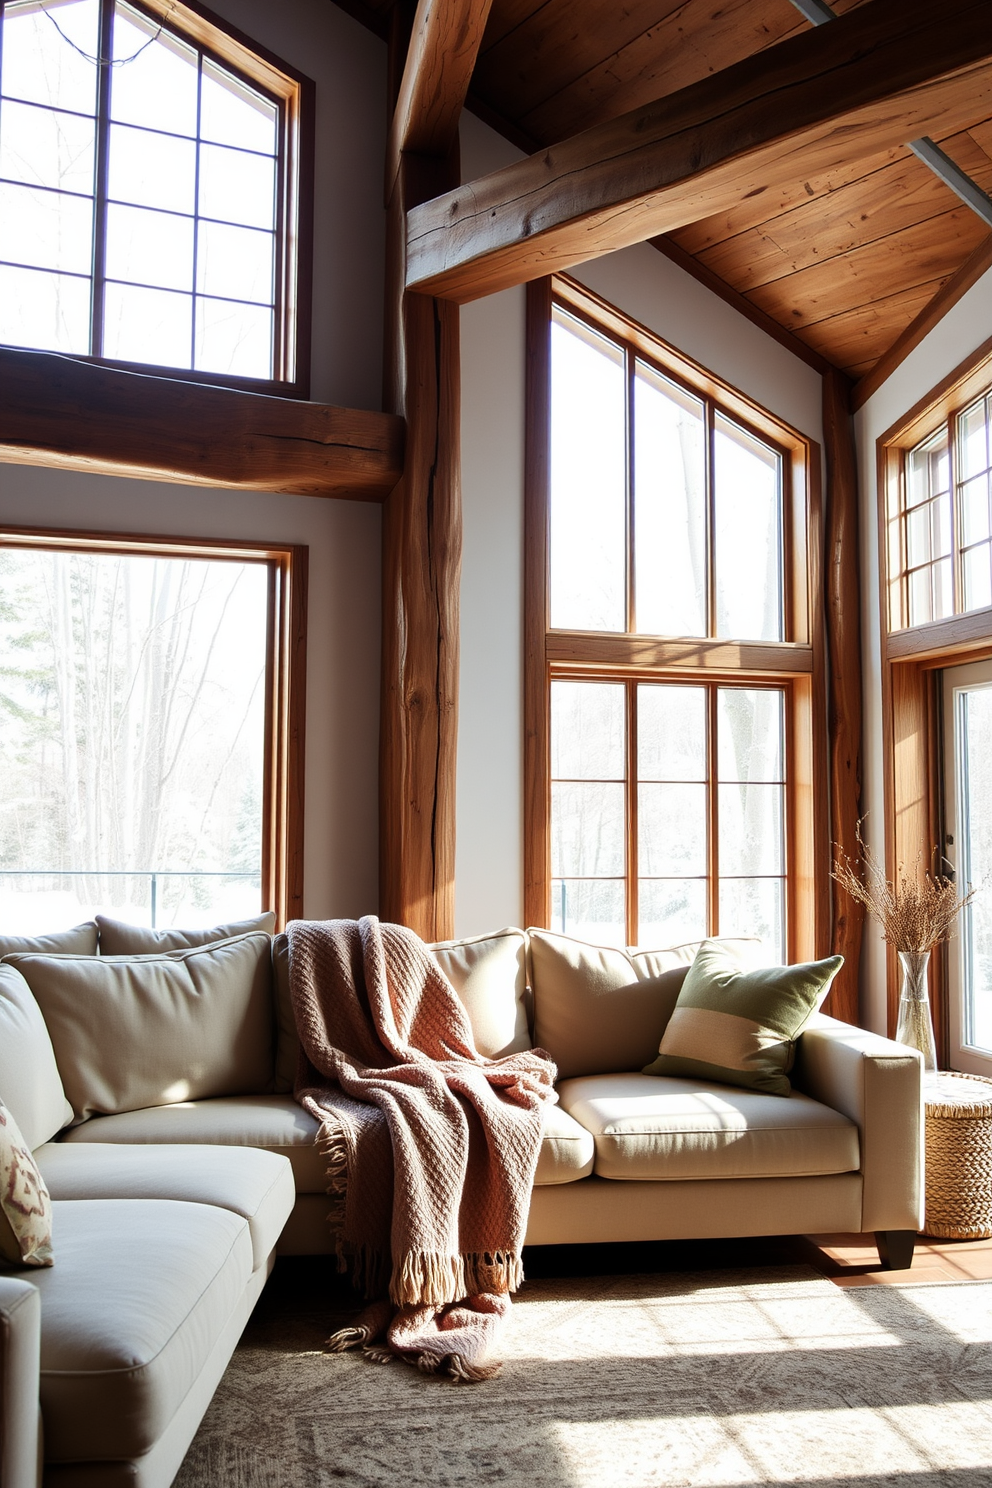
(844, 261)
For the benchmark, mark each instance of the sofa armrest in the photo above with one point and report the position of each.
(878, 1084)
(20, 1362)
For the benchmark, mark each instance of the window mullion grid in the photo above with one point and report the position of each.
(196, 211)
(280, 348)
(632, 906)
(712, 815)
(957, 587)
(105, 52)
(710, 513)
(631, 536)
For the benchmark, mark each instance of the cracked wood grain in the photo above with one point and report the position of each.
(874, 78)
(843, 678)
(57, 410)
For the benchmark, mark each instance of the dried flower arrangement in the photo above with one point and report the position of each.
(916, 913)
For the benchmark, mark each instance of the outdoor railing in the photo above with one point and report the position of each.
(152, 874)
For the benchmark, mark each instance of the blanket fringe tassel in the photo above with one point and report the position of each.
(426, 1279)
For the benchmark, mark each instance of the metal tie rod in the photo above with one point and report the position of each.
(819, 12)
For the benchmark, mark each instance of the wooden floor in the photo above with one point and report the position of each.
(852, 1260)
(846, 1260)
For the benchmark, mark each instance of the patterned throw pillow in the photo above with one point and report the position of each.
(25, 1208)
(740, 1027)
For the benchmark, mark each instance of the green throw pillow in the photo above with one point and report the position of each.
(740, 1027)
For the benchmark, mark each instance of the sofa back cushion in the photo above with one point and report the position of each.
(600, 1010)
(136, 1031)
(79, 941)
(30, 1086)
(489, 973)
(120, 939)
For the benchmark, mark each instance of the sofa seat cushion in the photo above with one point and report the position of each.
(258, 1186)
(567, 1150)
(651, 1127)
(273, 1122)
(277, 1123)
(129, 1315)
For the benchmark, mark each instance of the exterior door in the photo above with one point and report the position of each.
(968, 849)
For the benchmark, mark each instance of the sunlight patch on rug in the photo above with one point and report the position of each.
(712, 1380)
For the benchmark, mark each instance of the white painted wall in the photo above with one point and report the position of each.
(649, 287)
(347, 64)
(961, 331)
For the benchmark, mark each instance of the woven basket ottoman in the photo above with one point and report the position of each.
(958, 1156)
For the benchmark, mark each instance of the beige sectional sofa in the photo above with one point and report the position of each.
(156, 1091)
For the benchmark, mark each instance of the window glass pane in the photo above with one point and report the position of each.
(588, 480)
(232, 114)
(590, 909)
(754, 906)
(943, 590)
(977, 573)
(587, 829)
(671, 830)
(918, 525)
(237, 187)
(973, 506)
(972, 429)
(45, 66)
(671, 732)
(46, 229)
(669, 507)
(587, 731)
(940, 526)
(155, 80)
(135, 741)
(50, 312)
(748, 535)
(750, 727)
(152, 170)
(670, 912)
(233, 338)
(149, 247)
(151, 326)
(235, 262)
(751, 829)
(920, 606)
(45, 148)
(975, 815)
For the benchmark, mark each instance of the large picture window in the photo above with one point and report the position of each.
(941, 527)
(671, 697)
(149, 190)
(148, 736)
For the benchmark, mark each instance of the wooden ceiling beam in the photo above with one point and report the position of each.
(874, 78)
(953, 289)
(56, 410)
(439, 64)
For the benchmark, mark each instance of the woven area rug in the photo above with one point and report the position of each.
(716, 1378)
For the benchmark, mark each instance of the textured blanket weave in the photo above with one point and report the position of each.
(431, 1148)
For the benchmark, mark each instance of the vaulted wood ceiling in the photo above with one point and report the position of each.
(844, 261)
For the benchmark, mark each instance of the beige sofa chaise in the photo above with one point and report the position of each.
(169, 1132)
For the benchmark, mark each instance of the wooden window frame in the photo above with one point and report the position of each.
(285, 681)
(796, 664)
(294, 94)
(912, 661)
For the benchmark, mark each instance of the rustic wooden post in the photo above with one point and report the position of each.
(422, 515)
(843, 676)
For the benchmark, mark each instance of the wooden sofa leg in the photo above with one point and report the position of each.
(895, 1248)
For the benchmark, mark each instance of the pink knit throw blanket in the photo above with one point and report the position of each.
(431, 1147)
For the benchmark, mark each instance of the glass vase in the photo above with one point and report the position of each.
(915, 1026)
